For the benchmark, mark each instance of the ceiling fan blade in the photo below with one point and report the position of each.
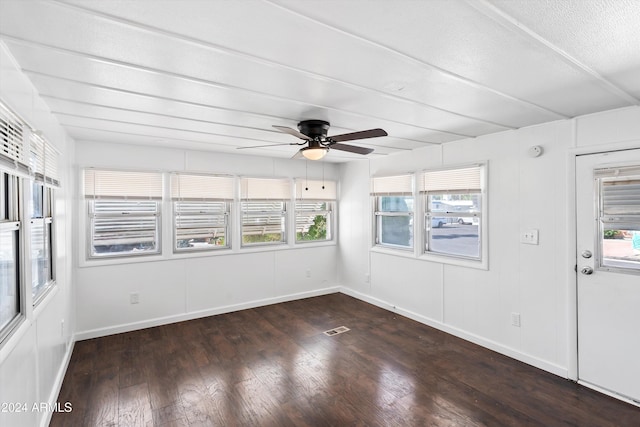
(371, 133)
(268, 145)
(298, 155)
(291, 131)
(351, 148)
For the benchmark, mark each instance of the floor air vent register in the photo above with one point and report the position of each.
(336, 331)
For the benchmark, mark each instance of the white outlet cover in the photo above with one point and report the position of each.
(529, 237)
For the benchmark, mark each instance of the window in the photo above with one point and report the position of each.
(124, 212)
(42, 275)
(201, 205)
(264, 210)
(394, 207)
(43, 160)
(10, 296)
(453, 211)
(619, 219)
(315, 201)
(13, 165)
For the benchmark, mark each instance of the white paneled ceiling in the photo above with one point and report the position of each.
(216, 75)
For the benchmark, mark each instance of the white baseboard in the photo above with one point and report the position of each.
(491, 345)
(57, 386)
(128, 327)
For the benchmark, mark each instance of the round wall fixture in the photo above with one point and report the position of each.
(535, 151)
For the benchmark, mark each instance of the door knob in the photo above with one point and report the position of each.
(586, 270)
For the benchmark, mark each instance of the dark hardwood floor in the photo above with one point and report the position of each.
(273, 366)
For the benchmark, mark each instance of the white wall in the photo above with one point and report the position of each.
(178, 287)
(523, 193)
(33, 360)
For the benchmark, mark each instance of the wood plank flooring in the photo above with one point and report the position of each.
(273, 366)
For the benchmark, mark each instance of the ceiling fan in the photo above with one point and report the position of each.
(313, 133)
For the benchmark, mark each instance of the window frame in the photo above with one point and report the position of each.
(11, 219)
(481, 261)
(615, 217)
(46, 218)
(282, 213)
(393, 186)
(328, 212)
(102, 185)
(224, 213)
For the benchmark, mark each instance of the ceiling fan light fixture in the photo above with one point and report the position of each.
(314, 153)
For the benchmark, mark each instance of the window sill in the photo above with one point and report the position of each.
(441, 259)
(452, 260)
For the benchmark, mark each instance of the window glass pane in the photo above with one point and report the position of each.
(36, 206)
(9, 284)
(621, 247)
(395, 204)
(453, 238)
(124, 227)
(40, 256)
(263, 222)
(394, 222)
(453, 224)
(200, 225)
(313, 221)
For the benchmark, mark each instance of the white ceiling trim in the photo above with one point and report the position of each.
(508, 22)
(425, 64)
(234, 52)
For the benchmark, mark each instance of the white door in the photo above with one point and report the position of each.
(608, 227)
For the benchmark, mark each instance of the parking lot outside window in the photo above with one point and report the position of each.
(453, 200)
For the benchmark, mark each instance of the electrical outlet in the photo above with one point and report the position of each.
(308, 272)
(515, 319)
(134, 298)
(529, 237)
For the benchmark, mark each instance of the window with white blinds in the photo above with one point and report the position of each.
(11, 235)
(393, 213)
(398, 185)
(263, 208)
(453, 201)
(315, 201)
(13, 156)
(310, 189)
(265, 188)
(115, 184)
(201, 205)
(124, 212)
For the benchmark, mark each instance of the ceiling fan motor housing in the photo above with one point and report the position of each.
(314, 129)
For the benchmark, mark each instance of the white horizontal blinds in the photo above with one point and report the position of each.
(195, 187)
(265, 189)
(452, 181)
(620, 190)
(12, 144)
(43, 159)
(398, 185)
(51, 164)
(36, 155)
(311, 189)
(111, 184)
